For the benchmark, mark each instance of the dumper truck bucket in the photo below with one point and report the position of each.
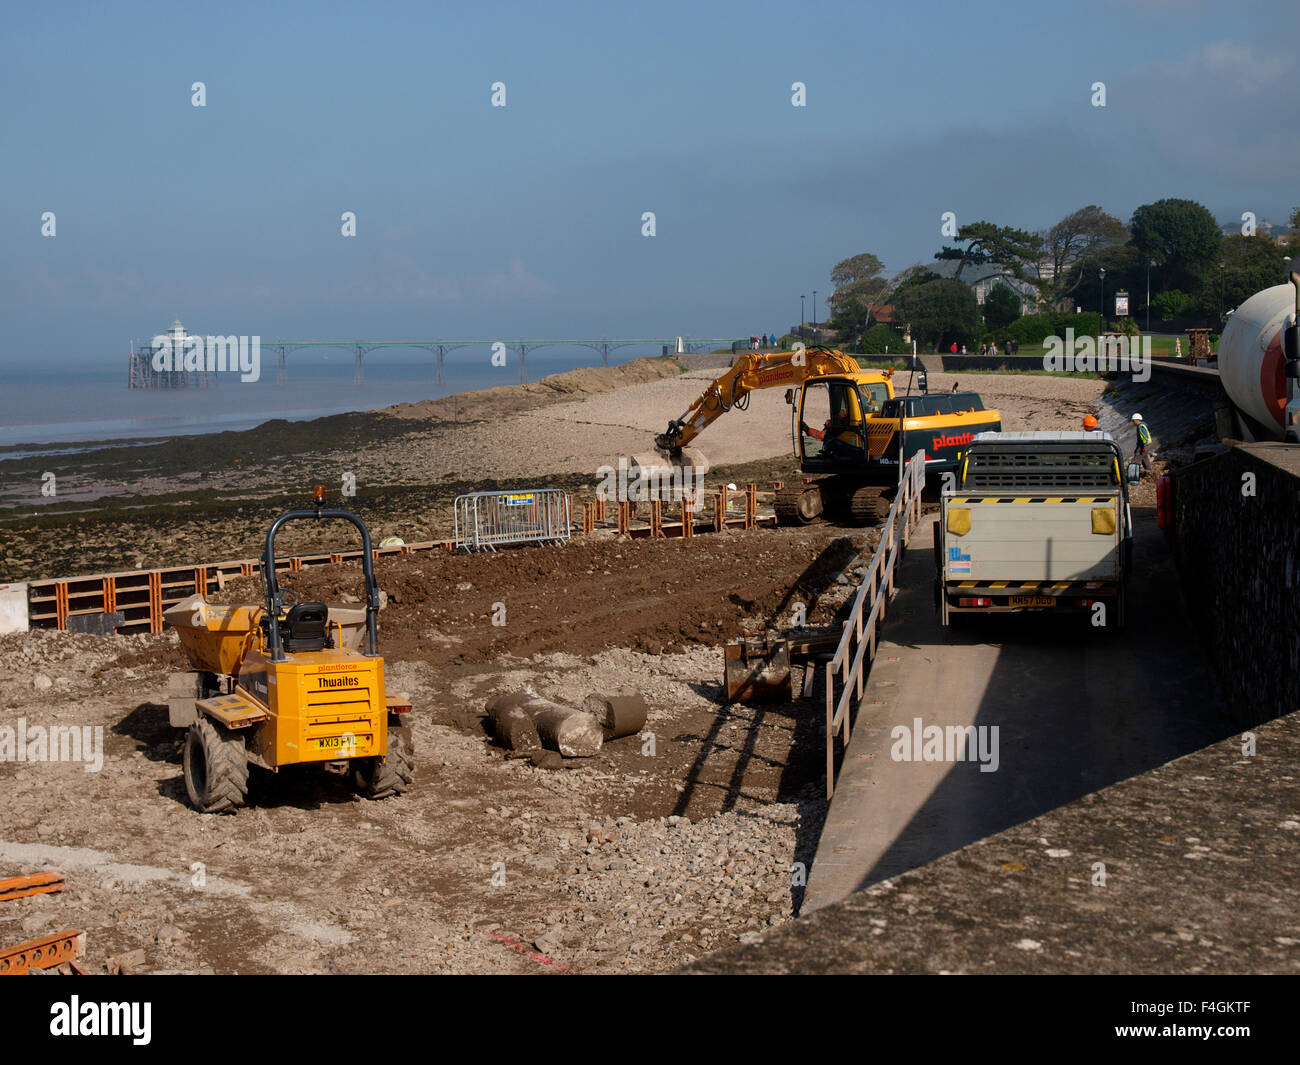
(214, 637)
(757, 669)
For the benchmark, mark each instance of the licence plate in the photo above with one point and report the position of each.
(1032, 600)
(337, 743)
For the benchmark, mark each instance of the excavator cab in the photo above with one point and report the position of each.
(832, 427)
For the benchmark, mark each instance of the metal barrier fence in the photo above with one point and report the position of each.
(486, 520)
(873, 596)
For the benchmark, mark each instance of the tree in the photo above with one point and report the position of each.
(1171, 304)
(1001, 307)
(940, 312)
(1250, 264)
(1013, 249)
(881, 340)
(1183, 240)
(861, 278)
(917, 274)
(849, 321)
(1125, 269)
(1076, 237)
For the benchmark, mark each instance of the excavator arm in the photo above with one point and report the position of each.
(751, 370)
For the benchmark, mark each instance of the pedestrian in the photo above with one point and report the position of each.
(764, 340)
(1143, 451)
(963, 349)
(1015, 347)
(952, 350)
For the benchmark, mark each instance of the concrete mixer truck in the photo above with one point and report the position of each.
(1259, 364)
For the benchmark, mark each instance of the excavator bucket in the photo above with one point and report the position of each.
(757, 669)
(657, 464)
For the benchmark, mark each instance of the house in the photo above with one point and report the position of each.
(981, 277)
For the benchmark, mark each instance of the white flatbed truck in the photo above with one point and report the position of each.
(1036, 522)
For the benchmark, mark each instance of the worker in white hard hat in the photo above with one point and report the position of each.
(1143, 451)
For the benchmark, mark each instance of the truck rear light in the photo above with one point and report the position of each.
(974, 602)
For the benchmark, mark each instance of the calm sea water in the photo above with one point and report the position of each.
(42, 405)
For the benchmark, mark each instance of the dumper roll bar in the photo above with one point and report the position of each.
(273, 585)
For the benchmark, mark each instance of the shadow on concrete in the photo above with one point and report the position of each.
(1076, 710)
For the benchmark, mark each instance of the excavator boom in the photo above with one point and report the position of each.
(751, 371)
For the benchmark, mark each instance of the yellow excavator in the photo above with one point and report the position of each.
(850, 430)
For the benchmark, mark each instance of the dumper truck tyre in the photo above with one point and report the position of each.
(215, 766)
(379, 780)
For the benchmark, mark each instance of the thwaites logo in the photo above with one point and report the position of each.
(951, 441)
(339, 682)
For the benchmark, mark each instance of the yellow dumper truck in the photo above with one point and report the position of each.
(284, 683)
(1036, 522)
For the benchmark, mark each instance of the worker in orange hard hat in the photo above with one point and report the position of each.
(1090, 424)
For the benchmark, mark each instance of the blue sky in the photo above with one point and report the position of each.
(476, 221)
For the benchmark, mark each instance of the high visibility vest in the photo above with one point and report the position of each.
(1144, 434)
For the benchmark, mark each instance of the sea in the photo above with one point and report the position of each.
(70, 405)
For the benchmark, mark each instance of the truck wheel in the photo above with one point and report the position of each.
(215, 766)
(378, 780)
(798, 504)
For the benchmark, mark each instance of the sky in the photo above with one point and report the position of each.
(475, 221)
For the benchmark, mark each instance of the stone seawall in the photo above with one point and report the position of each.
(1236, 539)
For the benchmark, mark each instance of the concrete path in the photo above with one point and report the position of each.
(1075, 710)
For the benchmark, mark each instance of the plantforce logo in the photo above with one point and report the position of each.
(238, 354)
(951, 441)
(1087, 354)
(57, 743)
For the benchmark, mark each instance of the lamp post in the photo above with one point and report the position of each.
(814, 321)
(801, 313)
(1223, 263)
(1101, 273)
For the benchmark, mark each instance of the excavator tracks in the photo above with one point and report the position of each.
(798, 504)
(869, 504)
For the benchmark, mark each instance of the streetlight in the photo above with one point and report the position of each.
(814, 321)
(1222, 271)
(1101, 272)
(1150, 263)
(801, 313)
